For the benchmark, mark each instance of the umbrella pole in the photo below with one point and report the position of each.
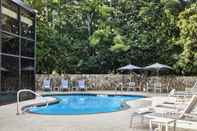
(129, 81)
(157, 79)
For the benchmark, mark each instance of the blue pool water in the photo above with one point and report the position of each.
(84, 104)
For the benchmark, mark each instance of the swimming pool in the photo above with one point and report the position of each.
(76, 104)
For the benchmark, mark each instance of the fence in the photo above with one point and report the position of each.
(110, 81)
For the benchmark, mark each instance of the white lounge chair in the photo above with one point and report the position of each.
(170, 102)
(81, 84)
(194, 88)
(64, 85)
(173, 116)
(152, 112)
(188, 91)
(47, 85)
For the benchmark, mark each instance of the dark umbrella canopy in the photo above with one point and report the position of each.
(130, 67)
(158, 67)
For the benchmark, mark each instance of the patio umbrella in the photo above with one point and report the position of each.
(158, 67)
(130, 67)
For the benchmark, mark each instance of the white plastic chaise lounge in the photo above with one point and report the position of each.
(81, 85)
(64, 85)
(171, 101)
(188, 92)
(156, 110)
(47, 85)
(181, 113)
(174, 115)
(194, 88)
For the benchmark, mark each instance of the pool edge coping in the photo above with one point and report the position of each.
(124, 103)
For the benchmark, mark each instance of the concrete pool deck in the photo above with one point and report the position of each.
(115, 121)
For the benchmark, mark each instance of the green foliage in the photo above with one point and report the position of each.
(98, 36)
(187, 24)
(119, 44)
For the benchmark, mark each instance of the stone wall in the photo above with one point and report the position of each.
(112, 81)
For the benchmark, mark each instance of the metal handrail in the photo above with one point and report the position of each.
(27, 90)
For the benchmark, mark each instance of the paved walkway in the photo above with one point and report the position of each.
(116, 121)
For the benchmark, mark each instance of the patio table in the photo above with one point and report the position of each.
(162, 122)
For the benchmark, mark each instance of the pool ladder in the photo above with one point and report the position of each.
(19, 110)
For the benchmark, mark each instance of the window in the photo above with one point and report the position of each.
(27, 48)
(10, 44)
(27, 73)
(27, 28)
(10, 75)
(10, 22)
(17, 43)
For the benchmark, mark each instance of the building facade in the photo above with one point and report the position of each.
(17, 46)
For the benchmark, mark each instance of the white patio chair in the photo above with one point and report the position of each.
(131, 85)
(149, 86)
(91, 85)
(81, 84)
(157, 86)
(47, 85)
(64, 85)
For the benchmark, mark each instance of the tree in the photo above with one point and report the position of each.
(187, 24)
(98, 36)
